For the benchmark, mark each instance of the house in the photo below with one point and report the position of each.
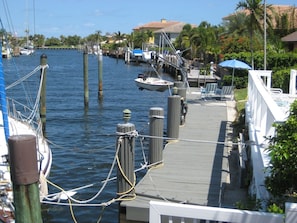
(283, 12)
(171, 28)
(291, 41)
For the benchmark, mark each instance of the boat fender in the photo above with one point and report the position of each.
(184, 110)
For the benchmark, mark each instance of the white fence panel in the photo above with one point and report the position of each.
(194, 212)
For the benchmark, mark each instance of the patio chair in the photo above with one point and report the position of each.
(210, 90)
(227, 92)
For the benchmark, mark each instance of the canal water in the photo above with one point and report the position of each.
(83, 139)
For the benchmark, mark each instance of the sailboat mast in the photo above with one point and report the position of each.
(3, 99)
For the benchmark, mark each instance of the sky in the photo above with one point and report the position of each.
(53, 18)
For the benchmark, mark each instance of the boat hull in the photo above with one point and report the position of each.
(44, 159)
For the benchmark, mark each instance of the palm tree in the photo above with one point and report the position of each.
(183, 41)
(140, 37)
(236, 24)
(119, 37)
(255, 13)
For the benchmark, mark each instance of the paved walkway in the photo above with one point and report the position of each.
(196, 168)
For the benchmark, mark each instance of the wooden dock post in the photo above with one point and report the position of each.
(25, 177)
(43, 62)
(127, 57)
(173, 117)
(156, 129)
(125, 141)
(86, 78)
(100, 76)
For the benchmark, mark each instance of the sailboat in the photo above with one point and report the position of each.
(152, 83)
(28, 49)
(16, 118)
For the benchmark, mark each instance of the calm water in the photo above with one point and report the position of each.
(83, 140)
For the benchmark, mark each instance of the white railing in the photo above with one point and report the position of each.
(265, 106)
(174, 212)
(263, 109)
(261, 112)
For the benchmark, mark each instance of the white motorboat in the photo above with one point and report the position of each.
(152, 83)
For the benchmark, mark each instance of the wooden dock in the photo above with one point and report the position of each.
(196, 79)
(195, 168)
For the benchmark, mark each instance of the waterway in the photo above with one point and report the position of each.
(83, 139)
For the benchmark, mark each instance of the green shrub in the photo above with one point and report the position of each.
(282, 149)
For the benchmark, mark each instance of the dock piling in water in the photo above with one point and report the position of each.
(86, 78)
(125, 156)
(100, 76)
(43, 62)
(25, 177)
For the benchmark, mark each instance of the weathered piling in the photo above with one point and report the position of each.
(43, 63)
(125, 156)
(156, 133)
(173, 117)
(100, 76)
(25, 176)
(181, 90)
(86, 77)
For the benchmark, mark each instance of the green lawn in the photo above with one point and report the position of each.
(240, 96)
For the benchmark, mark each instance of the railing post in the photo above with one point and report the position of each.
(291, 213)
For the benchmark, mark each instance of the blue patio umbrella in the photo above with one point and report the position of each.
(235, 64)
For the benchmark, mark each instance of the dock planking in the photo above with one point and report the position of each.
(195, 168)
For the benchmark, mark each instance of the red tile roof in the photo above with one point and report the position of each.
(156, 25)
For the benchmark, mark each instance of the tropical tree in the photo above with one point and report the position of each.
(206, 38)
(202, 40)
(140, 37)
(255, 13)
(52, 41)
(39, 40)
(235, 38)
(235, 25)
(118, 37)
(183, 40)
(130, 40)
(94, 38)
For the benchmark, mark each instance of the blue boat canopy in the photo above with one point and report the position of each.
(137, 52)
